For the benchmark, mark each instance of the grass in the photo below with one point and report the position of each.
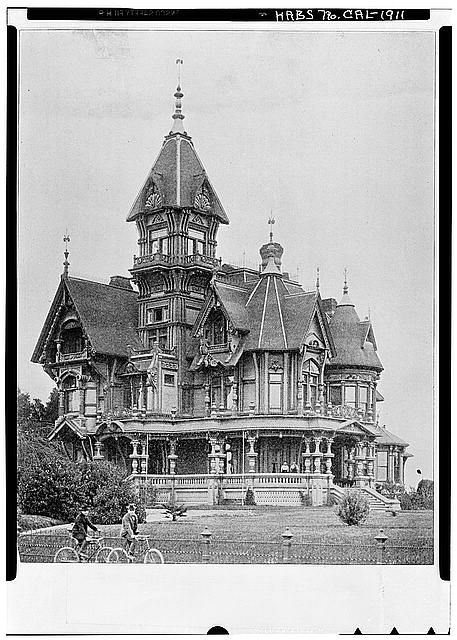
(266, 524)
(29, 522)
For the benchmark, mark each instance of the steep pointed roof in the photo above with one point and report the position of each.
(178, 177)
(108, 314)
(353, 338)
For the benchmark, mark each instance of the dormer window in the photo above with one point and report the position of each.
(157, 241)
(72, 338)
(216, 328)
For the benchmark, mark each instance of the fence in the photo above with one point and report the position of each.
(42, 546)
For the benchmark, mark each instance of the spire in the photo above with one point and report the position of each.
(345, 300)
(66, 264)
(271, 222)
(178, 116)
(317, 279)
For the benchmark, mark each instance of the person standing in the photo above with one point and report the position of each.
(129, 529)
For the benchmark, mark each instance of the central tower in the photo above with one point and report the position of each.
(177, 213)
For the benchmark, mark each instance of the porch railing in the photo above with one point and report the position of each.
(230, 480)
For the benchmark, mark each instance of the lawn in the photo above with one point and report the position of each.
(266, 524)
(254, 535)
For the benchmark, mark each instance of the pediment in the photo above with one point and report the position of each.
(354, 427)
(68, 423)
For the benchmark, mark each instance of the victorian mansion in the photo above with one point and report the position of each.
(210, 377)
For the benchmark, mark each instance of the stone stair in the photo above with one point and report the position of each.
(377, 501)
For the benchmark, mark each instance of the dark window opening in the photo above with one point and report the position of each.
(169, 379)
(72, 340)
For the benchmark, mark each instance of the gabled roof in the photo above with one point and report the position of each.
(108, 314)
(233, 299)
(352, 338)
(178, 175)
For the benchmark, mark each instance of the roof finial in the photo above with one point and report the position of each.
(66, 264)
(369, 313)
(178, 116)
(317, 279)
(271, 222)
(345, 288)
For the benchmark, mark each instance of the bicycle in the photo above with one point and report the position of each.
(143, 553)
(94, 551)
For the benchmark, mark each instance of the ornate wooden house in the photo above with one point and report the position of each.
(211, 378)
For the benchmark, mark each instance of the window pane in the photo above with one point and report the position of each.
(335, 395)
(275, 396)
(165, 246)
(363, 394)
(169, 379)
(350, 396)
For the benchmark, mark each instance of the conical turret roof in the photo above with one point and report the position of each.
(178, 177)
(354, 340)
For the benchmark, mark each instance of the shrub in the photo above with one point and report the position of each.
(305, 499)
(53, 486)
(52, 489)
(174, 511)
(353, 508)
(425, 490)
(249, 498)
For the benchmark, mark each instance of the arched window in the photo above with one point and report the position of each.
(72, 338)
(311, 382)
(69, 388)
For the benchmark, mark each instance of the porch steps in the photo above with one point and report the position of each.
(376, 501)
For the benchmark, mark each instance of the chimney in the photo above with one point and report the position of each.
(121, 282)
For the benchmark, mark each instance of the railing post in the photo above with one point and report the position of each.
(286, 544)
(206, 535)
(381, 546)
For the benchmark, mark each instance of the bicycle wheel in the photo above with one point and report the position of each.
(118, 556)
(102, 554)
(153, 556)
(66, 554)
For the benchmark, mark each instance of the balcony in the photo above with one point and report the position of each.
(179, 259)
(71, 357)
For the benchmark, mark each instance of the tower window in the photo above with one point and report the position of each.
(158, 338)
(349, 394)
(363, 398)
(156, 314)
(196, 242)
(157, 241)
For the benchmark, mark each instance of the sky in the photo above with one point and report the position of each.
(331, 132)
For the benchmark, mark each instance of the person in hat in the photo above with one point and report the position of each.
(79, 530)
(129, 529)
